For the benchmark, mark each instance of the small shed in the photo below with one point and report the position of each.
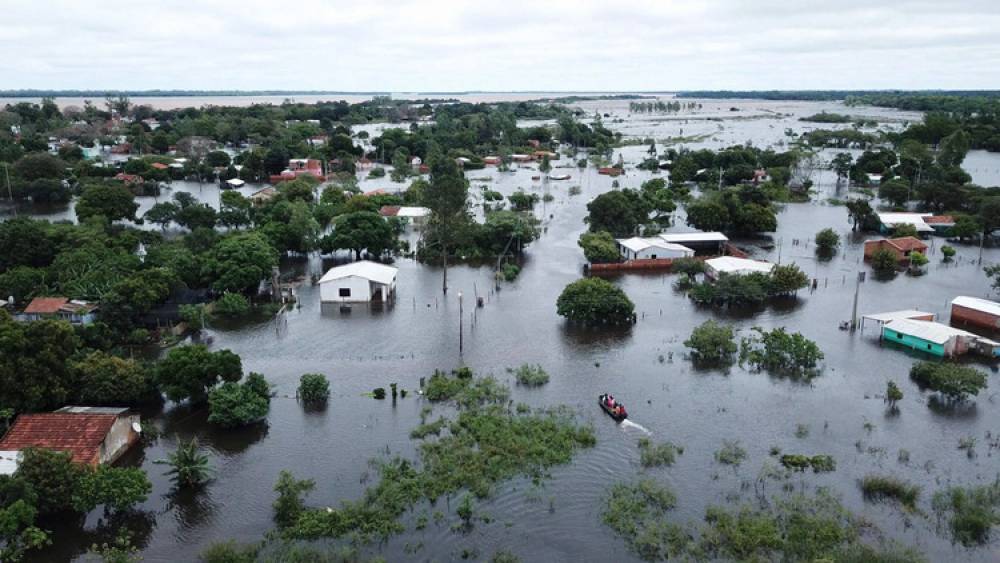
(880, 319)
(92, 435)
(73, 311)
(637, 248)
(735, 266)
(930, 337)
(358, 282)
(975, 311)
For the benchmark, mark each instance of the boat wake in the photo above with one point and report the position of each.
(629, 424)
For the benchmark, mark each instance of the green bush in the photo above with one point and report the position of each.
(731, 453)
(689, 266)
(238, 404)
(595, 301)
(972, 511)
(599, 247)
(229, 552)
(231, 305)
(884, 263)
(947, 252)
(951, 380)
(827, 241)
(879, 487)
(510, 271)
(289, 504)
(712, 342)
(378, 393)
(780, 352)
(655, 455)
(313, 388)
(531, 376)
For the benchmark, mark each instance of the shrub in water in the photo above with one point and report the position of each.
(313, 388)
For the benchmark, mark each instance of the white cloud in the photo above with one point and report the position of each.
(442, 45)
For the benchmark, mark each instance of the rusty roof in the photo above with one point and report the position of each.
(389, 210)
(908, 243)
(79, 434)
(45, 305)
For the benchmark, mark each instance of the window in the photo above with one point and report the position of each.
(928, 346)
(899, 335)
(345, 292)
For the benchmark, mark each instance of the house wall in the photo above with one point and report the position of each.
(913, 342)
(964, 315)
(329, 292)
(119, 439)
(654, 252)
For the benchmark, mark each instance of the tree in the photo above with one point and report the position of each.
(754, 218)
(841, 164)
(18, 532)
(109, 380)
(619, 212)
(234, 209)
(917, 262)
(240, 261)
(895, 191)
(447, 198)
(893, 394)
(162, 213)
(951, 380)
(196, 216)
(188, 372)
(289, 504)
(359, 231)
(862, 215)
(884, 263)
(965, 227)
(42, 349)
(707, 215)
(231, 305)
(35, 166)
(785, 279)
(217, 159)
(116, 488)
(47, 190)
(712, 342)
(113, 202)
(189, 468)
(522, 201)
(993, 272)
(595, 301)
(52, 476)
(905, 230)
(313, 388)
(545, 167)
(599, 247)
(947, 252)
(953, 149)
(234, 404)
(827, 241)
(989, 214)
(781, 352)
(24, 242)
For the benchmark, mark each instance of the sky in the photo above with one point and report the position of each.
(510, 45)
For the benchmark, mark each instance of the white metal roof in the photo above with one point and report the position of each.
(638, 244)
(367, 269)
(733, 265)
(915, 219)
(927, 330)
(693, 237)
(413, 212)
(894, 315)
(984, 305)
(9, 460)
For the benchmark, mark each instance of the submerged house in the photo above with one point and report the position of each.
(300, 167)
(92, 435)
(61, 308)
(901, 247)
(654, 248)
(705, 242)
(975, 311)
(735, 266)
(358, 282)
(936, 339)
(924, 223)
(880, 319)
(416, 215)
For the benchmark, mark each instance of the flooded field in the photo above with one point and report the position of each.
(644, 365)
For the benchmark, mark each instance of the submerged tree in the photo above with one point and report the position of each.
(189, 467)
(712, 342)
(446, 196)
(595, 301)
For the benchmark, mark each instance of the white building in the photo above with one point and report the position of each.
(918, 220)
(637, 248)
(735, 266)
(358, 282)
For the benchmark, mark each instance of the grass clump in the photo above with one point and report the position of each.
(820, 463)
(656, 455)
(426, 429)
(465, 390)
(530, 376)
(731, 453)
(972, 512)
(637, 512)
(882, 487)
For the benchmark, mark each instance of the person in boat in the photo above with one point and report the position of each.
(609, 400)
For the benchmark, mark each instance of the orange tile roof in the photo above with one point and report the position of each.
(908, 243)
(389, 210)
(45, 305)
(946, 219)
(79, 434)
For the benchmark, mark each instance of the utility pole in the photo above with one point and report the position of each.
(10, 194)
(854, 309)
(461, 314)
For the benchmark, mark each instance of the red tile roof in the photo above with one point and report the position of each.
(45, 305)
(944, 219)
(80, 434)
(159, 166)
(908, 243)
(389, 210)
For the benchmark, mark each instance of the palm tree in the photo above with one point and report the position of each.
(188, 466)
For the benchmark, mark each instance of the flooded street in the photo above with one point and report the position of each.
(645, 366)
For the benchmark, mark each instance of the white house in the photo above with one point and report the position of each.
(735, 266)
(637, 248)
(358, 282)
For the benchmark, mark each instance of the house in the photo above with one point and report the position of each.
(159, 166)
(637, 248)
(92, 435)
(874, 179)
(880, 319)
(416, 215)
(260, 197)
(300, 167)
(941, 224)
(760, 176)
(975, 311)
(520, 158)
(358, 282)
(612, 171)
(540, 155)
(415, 163)
(900, 247)
(712, 242)
(62, 308)
(492, 160)
(889, 221)
(930, 337)
(129, 178)
(731, 265)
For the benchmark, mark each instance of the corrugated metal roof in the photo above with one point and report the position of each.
(638, 244)
(926, 330)
(984, 305)
(9, 460)
(363, 269)
(894, 315)
(681, 238)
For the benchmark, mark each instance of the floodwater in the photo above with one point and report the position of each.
(644, 366)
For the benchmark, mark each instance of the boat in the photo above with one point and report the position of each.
(618, 417)
(559, 176)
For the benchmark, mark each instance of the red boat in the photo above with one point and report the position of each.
(616, 412)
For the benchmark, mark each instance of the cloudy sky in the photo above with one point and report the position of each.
(457, 45)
